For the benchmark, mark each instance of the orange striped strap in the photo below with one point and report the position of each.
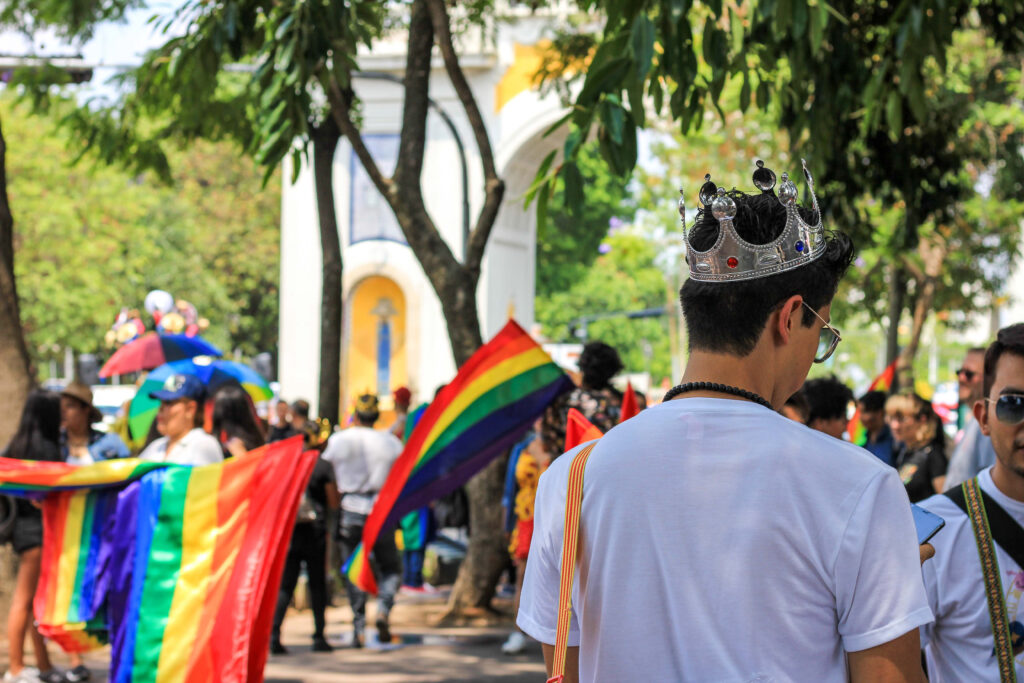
(573, 505)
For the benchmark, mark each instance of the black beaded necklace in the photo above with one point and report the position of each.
(717, 388)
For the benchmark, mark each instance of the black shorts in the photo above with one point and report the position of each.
(28, 533)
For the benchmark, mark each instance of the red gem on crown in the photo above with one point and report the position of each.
(732, 262)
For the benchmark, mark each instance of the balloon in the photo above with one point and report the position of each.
(159, 300)
(173, 323)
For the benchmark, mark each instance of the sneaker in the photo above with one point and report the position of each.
(52, 676)
(320, 644)
(383, 631)
(515, 644)
(78, 674)
(27, 675)
(357, 639)
(276, 648)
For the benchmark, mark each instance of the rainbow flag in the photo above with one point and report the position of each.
(493, 400)
(177, 567)
(855, 428)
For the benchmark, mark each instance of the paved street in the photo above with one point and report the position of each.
(420, 653)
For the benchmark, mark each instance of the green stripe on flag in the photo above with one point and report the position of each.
(161, 574)
(83, 557)
(501, 396)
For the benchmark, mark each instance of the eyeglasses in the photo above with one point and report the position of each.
(828, 338)
(967, 374)
(1009, 408)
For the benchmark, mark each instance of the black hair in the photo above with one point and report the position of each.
(235, 416)
(873, 401)
(729, 317)
(598, 363)
(38, 432)
(1008, 340)
(798, 402)
(366, 410)
(827, 397)
(301, 408)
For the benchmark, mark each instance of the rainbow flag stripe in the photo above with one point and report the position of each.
(178, 568)
(855, 428)
(494, 398)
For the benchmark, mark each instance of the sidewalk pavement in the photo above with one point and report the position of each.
(419, 654)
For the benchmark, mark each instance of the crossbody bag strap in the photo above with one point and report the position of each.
(972, 500)
(573, 505)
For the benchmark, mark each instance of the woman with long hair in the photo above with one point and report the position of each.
(921, 458)
(235, 423)
(37, 438)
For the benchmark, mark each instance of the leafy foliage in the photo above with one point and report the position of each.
(568, 245)
(90, 241)
(624, 279)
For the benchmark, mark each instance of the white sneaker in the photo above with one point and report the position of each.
(515, 644)
(29, 674)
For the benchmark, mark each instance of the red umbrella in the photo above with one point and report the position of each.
(152, 350)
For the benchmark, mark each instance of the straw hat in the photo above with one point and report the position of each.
(82, 392)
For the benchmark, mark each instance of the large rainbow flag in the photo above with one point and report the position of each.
(177, 567)
(493, 400)
(855, 428)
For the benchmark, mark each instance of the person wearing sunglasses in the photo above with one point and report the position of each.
(972, 635)
(719, 540)
(973, 451)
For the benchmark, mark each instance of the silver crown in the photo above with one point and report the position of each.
(732, 258)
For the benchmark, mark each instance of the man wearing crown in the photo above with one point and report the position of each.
(717, 540)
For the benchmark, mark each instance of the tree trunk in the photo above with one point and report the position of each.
(454, 283)
(892, 345)
(15, 373)
(325, 141)
(932, 252)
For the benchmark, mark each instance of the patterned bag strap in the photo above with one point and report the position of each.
(573, 505)
(970, 498)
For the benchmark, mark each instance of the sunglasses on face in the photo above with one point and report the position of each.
(828, 338)
(968, 375)
(1009, 408)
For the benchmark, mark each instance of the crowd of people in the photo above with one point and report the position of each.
(731, 532)
(718, 540)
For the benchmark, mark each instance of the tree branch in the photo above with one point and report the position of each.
(495, 186)
(341, 112)
(409, 168)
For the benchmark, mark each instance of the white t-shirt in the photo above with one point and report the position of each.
(361, 458)
(720, 541)
(195, 448)
(959, 645)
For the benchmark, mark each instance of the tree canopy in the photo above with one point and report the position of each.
(90, 240)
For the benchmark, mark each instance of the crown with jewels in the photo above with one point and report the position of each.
(732, 258)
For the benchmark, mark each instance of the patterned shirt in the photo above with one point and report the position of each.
(601, 406)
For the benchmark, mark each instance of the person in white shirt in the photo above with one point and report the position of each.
(718, 540)
(362, 458)
(181, 412)
(960, 645)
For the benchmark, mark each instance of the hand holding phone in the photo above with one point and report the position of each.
(927, 523)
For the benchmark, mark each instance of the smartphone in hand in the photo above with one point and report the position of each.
(927, 523)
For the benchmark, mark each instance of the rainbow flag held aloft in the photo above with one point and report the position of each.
(495, 397)
(176, 567)
(855, 428)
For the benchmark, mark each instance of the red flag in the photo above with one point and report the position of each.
(629, 407)
(579, 430)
